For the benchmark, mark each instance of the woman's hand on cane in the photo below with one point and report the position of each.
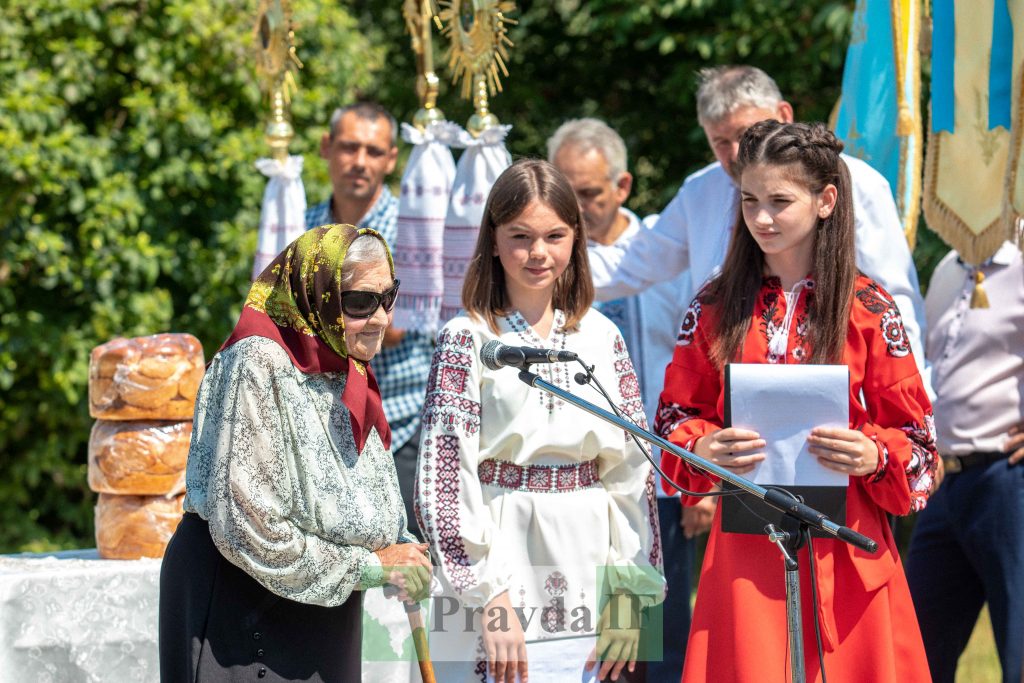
(505, 649)
(618, 640)
(407, 567)
(736, 449)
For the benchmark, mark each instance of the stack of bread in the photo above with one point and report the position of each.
(142, 392)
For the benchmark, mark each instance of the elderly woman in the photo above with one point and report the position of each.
(292, 505)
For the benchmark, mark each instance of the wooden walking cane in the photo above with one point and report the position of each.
(419, 636)
(419, 641)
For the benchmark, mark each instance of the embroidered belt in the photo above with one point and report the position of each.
(539, 478)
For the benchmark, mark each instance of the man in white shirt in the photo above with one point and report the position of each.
(593, 157)
(692, 234)
(968, 544)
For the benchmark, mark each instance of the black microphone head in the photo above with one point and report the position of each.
(489, 354)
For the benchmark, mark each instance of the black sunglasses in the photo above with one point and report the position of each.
(359, 304)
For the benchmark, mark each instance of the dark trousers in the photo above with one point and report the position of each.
(968, 548)
(405, 466)
(678, 555)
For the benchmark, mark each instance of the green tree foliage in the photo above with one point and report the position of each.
(128, 204)
(633, 63)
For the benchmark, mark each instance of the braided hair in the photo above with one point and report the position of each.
(812, 152)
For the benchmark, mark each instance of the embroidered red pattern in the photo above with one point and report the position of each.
(538, 478)
(877, 301)
(670, 416)
(449, 536)
(690, 322)
(445, 404)
(923, 460)
(453, 379)
(630, 400)
(652, 517)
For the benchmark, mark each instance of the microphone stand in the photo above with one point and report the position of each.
(800, 516)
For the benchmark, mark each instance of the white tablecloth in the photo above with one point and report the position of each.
(70, 616)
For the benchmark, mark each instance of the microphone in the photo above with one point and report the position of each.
(496, 355)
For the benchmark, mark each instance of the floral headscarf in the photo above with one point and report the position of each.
(296, 302)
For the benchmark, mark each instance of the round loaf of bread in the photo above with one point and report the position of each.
(130, 527)
(145, 378)
(105, 359)
(138, 457)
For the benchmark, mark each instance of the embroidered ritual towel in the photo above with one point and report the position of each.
(283, 214)
(480, 165)
(422, 207)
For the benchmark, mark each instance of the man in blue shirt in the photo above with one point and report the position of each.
(360, 150)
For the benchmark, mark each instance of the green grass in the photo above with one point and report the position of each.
(979, 663)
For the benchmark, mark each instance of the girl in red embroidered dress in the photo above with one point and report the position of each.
(789, 292)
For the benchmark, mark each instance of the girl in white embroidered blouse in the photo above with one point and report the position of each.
(542, 517)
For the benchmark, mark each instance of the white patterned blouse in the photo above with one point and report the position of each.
(273, 468)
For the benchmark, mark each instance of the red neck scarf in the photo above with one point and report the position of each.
(296, 303)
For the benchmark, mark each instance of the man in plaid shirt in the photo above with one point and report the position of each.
(360, 150)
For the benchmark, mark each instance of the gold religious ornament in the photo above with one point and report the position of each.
(276, 64)
(418, 15)
(478, 32)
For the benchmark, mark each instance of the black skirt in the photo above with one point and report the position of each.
(217, 623)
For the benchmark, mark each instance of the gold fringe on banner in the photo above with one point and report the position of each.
(974, 245)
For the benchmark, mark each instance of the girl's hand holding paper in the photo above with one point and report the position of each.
(732, 447)
(848, 451)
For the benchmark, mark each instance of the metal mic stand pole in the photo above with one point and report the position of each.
(789, 543)
(781, 500)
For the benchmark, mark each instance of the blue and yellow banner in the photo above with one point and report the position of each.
(879, 113)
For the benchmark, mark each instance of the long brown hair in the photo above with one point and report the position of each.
(484, 292)
(814, 150)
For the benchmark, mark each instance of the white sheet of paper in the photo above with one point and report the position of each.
(783, 403)
(560, 660)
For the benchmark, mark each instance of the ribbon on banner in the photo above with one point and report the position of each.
(879, 117)
(966, 164)
(1014, 176)
(943, 44)
(283, 213)
(480, 165)
(1000, 72)
(422, 208)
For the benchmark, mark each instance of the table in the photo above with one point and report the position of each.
(70, 616)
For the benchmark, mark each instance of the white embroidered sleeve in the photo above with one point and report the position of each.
(450, 505)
